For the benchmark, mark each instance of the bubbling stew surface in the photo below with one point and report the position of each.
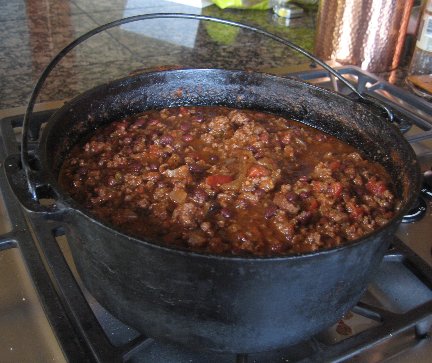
(228, 181)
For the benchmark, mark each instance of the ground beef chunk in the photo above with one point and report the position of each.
(238, 118)
(219, 125)
(187, 215)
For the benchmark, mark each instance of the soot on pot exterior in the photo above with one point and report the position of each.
(213, 302)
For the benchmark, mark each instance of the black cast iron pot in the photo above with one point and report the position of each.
(222, 303)
(212, 302)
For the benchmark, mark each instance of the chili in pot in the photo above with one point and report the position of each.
(223, 180)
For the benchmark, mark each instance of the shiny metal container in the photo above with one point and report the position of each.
(366, 33)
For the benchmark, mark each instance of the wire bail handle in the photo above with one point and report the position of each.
(25, 157)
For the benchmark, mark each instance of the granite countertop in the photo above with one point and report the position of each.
(33, 35)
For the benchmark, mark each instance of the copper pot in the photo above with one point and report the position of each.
(369, 34)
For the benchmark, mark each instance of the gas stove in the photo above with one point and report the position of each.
(47, 314)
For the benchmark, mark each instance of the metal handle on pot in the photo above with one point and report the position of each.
(28, 133)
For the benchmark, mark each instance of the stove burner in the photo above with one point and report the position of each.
(403, 124)
(427, 183)
(417, 212)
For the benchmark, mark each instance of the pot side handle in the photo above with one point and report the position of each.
(47, 202)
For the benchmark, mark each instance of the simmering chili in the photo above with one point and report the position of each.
(228, 181)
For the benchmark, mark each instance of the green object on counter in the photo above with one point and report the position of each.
(301, 31)
(243, 4)
(221, 33)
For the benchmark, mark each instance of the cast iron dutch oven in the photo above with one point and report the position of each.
(223, 303)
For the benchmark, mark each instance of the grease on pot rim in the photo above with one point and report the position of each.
(228, 181)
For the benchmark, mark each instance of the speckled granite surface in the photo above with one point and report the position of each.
(33, 32)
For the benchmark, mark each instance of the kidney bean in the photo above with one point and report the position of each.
(166, 140)
(251, 148)
(139, 123)
(111, 181)
(292, 197)
(260, 192)
(153, 167)
(162, 184)
(198, 118)
(127, 140)
(226, 213)
(199, 196)
(321, 137)
(187, 138)
(185, 126)
(214, 207)
(242, 203)
(270, 211)
(213, 158)
(82, 171)
(135, 167)
(305, 195)
(196, 169)
(304, 217)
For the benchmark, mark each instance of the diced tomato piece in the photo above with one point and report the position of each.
(257, 171)
(355, 210)
(140, 189)
(140, 122)
(317, 186)
(376, 187)
(155, 150)
(217, 179)
(336, 189)
(184, 110)
(195, 156)
(286, 138)
(264, 137)
(335, 165)
(313, 204)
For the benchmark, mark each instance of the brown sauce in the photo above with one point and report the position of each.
(227, 181)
